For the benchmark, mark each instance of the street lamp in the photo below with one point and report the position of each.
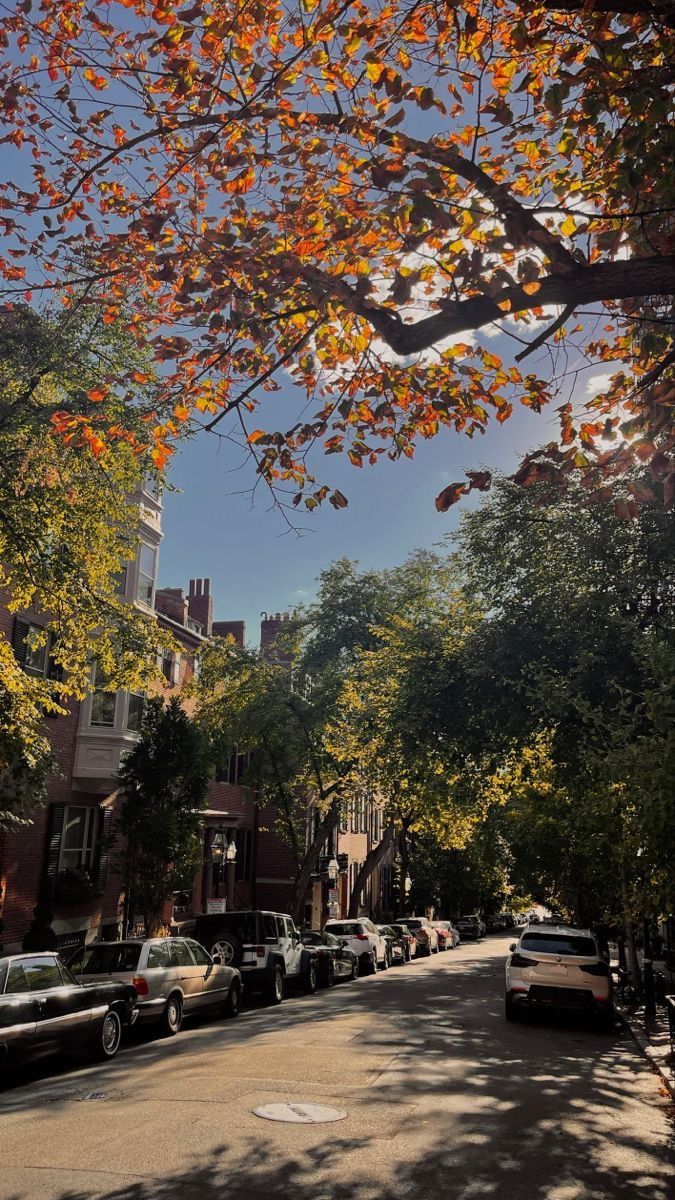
(407, 885)
(333, 869)
(231, 852)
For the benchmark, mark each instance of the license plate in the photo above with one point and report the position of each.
(557, 969)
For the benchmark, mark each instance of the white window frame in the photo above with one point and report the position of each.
(141, 574)
(88, 848)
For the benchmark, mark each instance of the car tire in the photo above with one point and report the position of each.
(108, 1037)
(510, 1009)
(385, 964)
(228, 946)
(232, 1006)
(330, 973)
(355, 970)
(373, 963)
(172, 1017)
(274, 991)
(310, 980)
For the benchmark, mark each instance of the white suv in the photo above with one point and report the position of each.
(264, 946)
(555, 966)
(361, 936)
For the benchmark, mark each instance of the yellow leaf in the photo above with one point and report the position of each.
(531, 289)
(568, 227)
(505, 305)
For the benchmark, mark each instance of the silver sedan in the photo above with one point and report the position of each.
(173, 977)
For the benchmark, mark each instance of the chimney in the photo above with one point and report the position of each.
(270, 628)
(200, 603)
(234, 629)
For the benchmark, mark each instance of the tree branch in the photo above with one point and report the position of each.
(546, 333)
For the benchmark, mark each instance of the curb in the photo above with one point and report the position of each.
(664, 1070)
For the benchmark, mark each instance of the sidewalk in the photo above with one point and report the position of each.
(653, 1039)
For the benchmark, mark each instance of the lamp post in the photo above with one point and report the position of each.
(217, 857)
(230, 861)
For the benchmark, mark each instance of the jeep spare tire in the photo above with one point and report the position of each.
(228, 946)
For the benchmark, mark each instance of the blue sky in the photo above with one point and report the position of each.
(212, 529)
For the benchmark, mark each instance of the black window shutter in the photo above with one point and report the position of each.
(105, 844)
(54, 833)
(19, 636)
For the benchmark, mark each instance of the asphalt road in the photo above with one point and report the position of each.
(444, 1101)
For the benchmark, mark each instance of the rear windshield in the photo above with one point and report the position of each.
(104, 960)
(546, 943)
(312, 939)
(346, 928)
(414, 924)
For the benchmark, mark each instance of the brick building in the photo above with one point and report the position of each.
(74, 833)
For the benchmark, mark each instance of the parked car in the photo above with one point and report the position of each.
(446, 940)
(395, 943)
(43, 1007)
(265, 947)
(173, 977)
(557, 967)
(409, 940)
(336, 960)
(471, 927)
(363, 938)
(426, 935)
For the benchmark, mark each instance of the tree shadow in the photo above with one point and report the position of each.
(465, 1106)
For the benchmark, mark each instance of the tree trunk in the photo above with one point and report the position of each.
(373, 859)
(311, 859)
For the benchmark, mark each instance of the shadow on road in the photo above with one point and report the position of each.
(540, 1110)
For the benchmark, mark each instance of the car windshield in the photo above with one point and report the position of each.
(400, 928)
(546, 943)
(346, 929)
(106, 959)
(312, 939)
(414, 924)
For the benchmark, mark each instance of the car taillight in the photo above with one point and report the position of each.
(361, 937)
(141, 985)
(259, 950)
(597, 968)
(519, 960)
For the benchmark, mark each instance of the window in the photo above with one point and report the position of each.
(583, 947)
(35, 659)
(180, 954)
(235, 769)
(120, 581)
(106, 960)
(281, 929)
(200, 956)
(35, 662)
(43, 974)
(166, 665)
(78, 840)
(146, 574)
(364, 816)
(103, 703)
(159, 956)
(344, 818)
(16, 979)
(135, 711)
(269, 928)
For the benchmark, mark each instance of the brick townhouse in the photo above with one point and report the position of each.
(75, 830)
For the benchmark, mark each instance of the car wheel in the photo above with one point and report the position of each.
(172, 1017)
(510, 1009)
(355, 970)
(373, 963)
(330, 974)
(274, 992)
(108, 1038)
(228, 946)
(385, 960)
(232, 1005)
(311, 979)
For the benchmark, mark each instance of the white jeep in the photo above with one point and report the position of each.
(264, 946)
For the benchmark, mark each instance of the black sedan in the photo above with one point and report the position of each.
(43, 1007)
(395, 943)
(336, 961)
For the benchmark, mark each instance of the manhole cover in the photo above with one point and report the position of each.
(94, 1096)
(299, 1114)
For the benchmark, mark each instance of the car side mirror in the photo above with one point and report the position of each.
(217, 959)
(513, 946)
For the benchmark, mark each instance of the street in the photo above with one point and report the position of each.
(443, 1099)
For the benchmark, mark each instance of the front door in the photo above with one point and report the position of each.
(189, 975)
(293, 947)
(211, 978)
(63, 1007)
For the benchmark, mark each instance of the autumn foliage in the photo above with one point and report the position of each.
(361, 194)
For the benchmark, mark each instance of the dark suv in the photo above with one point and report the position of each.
(264, 946)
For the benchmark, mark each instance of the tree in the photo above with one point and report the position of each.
(581, 627)
(166, 777)
(359, 195)
(68, 525)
